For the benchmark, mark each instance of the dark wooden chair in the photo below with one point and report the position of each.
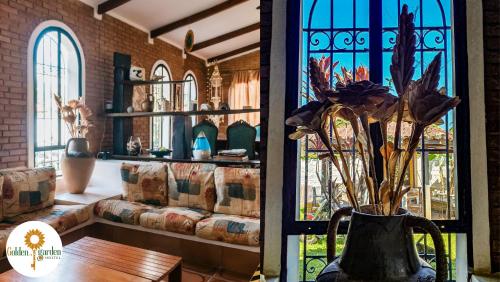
(241, 135)
(211, 131)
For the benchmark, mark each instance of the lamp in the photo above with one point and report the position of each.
(216, 93)
(216, 87)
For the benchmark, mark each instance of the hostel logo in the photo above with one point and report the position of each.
(34, 239)
(34, 249)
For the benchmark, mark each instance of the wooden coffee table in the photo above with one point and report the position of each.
(91, 259)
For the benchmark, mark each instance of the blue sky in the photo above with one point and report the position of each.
(351, 13)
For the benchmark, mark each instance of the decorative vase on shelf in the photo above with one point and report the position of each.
(134, 146)
(201, 147)
(77, 165)
(148, 104)
(381, 248)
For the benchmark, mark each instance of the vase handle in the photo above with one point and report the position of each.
(431, 228)
(67, 146)
(331, 237)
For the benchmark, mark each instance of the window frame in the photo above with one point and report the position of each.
(158, 64)
(36, 36)
(292, 226)
(188, 74)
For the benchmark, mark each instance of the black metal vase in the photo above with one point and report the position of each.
(381, 248)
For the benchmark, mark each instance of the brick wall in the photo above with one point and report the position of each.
(491, 21)
(99, 39)
(250, 61)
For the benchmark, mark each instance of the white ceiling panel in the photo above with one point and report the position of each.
(150, 14)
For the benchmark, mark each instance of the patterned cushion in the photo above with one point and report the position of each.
(4, 234)
(191, 185)
(175, 219)
(61, 217)
(25, 190)
(145, 183)
(120, 211)
(230, 229)
(238, 191)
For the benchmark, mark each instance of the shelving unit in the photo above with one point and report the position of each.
(122, 120)
(185, 113)
(153, 82)
(252, 163)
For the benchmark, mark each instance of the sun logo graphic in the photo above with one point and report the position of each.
(34, 239)
(34, 249)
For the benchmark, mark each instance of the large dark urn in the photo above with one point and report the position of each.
(381, 248)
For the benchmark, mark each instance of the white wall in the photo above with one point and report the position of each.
(274, 181)
(479, 175)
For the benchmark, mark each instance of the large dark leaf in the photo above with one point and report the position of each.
(402, 68)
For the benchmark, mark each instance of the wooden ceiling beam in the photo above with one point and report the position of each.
(195, 17)
(235, 52)
(225, 37)
(110, 5)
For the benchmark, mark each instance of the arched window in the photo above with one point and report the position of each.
(161, 126)
(190, 93)
(57, 68)
(354, 33)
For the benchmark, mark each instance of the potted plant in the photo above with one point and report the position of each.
(379, 244)
(78, 162)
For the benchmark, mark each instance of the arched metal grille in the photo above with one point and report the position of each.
(57, 69)
(353, 34)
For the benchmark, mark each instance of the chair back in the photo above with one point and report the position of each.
(257, 128)
(241, 135)
(211, 131)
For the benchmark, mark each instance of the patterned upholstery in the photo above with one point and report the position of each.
(26, 190)
(120, 211)
(238, 191)
(230, 229)
(175, 219)
(145, 183)
(4, 235)
(61, 217)
(191, 185)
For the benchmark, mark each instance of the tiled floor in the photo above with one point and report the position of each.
(198, 274)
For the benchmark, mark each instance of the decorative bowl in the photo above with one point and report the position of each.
(160, 154)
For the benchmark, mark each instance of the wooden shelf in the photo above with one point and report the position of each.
(186, 113)
(253, 163)
(153, 82)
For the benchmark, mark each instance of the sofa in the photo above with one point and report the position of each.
(29, 195)
(198, 199)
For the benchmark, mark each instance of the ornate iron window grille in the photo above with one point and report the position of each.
(50, 77)
(377, 40)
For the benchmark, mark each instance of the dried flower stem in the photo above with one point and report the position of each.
(417, 131)
(346, 179)
(383, 130)
(343, 159)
